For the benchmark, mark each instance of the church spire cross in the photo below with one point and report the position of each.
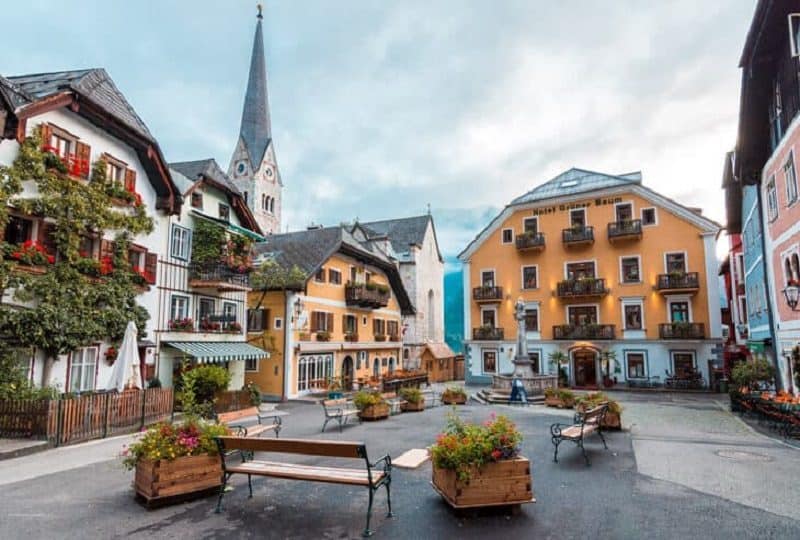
(259, 7)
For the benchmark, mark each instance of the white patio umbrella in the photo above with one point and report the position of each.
(126, 368)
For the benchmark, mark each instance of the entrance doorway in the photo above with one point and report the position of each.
(347, 373)
(585, 364)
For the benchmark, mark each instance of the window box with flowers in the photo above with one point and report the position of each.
(31, 253)
(479, 465)
(181, 325)
(233, 328)
(207, 325)
(323, 336)
(175, 460)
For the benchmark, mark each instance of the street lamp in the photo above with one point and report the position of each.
(298, 308)
(792, 294)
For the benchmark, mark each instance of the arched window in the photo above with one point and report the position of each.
(245, 197)
(263, 201)
(376, 367)
(796, 266)
(272, 205)
(788, 270)
(391, 364)
(266, 205)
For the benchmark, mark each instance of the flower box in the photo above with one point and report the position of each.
(182, 476)
(410, 406)
(500, 483)
(374, 412)
(555, 401)
(453, 399)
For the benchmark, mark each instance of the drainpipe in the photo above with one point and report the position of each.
(770, 315)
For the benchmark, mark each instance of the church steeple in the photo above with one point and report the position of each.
(256, 130)
(253, 166)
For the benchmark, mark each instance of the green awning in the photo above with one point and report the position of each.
(756, 346)
(210, 352)
(230, 226)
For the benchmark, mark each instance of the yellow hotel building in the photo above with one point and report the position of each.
(619, 284)
(344, 321)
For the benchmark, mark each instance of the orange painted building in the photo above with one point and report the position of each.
(603, 265)
(343, 322)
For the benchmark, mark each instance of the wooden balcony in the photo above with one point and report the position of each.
(583, 331)
(529, 241)
(487, 333)
(366, 296)
(487, 293)
(577, 236)
(629, 229)
(217, 276)
(581, 288)
(682, 330)
(688, 282)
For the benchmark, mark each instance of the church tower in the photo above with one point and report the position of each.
(253, 167)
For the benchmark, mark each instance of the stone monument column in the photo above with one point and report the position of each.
(523, 367)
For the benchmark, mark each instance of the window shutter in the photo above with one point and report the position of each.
(83, 152)
(45, 237)
(150, 265)
(45, 133)
(344, 323)
(130, 181)
(329, 317)
(314, 321)
(106, 248)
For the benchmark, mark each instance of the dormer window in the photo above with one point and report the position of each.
(197, 200)
(224, 212)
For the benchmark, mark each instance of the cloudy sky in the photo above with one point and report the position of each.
(380, 108)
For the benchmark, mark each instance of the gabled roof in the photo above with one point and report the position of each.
(403, 232)
(576, 181)
(576, 184)
(189, 173)
(256, 131)
(308, 250)
(94, 84)
(12, 94)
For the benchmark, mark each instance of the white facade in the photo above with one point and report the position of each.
(260, 185)
(101, 143)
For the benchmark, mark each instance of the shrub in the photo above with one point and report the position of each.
(363, 399)
(412, 395)
(593, 399)
(455, 391)
(463, 446)
(198, 387)
(750, 375)
(165, 441)
(255, 393)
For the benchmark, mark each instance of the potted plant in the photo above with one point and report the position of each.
(323, 336)
(111, 355)
(371, 405)
(613, 416)
(454, 395)
(380, 337)
(413, 400)
(334, 388)
(174, 460)
(559, 397)
(479, 465)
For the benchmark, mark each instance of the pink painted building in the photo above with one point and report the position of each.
(767, 157)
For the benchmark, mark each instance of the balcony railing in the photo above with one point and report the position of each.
(368, 296)
(682, 330)
(487, 293)
(207, 323)
(530, 241)
(487, 333)
(626, 229)
(578, 235)
(576, 288)
(217, 276)
(678, 281)
(583, 331)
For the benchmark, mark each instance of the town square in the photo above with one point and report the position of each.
(317, 270)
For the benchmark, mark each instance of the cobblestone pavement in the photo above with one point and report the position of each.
(624, 494)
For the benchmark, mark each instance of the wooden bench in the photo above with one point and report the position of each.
(339, 410)
(369, 476)
(432, 398)
(231, 418)
(586, 424)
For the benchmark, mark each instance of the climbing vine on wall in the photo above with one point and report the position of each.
(75, 301)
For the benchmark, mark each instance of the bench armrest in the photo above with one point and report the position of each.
(387, 463)
(555, 429)
(276, 417)
(241, 430)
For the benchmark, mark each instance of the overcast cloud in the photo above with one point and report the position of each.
(380, 108)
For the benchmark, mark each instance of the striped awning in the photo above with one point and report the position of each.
(211, 352)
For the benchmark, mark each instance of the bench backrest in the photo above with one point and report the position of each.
(341, 402)
(594, 416)
(389, 395)
(232, 416)
(309, 447)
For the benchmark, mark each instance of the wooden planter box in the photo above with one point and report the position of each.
(408, 406)
(454, 399)
(182, 476)
(553, 401)
(495, 484)
(612, 421)
(374, 412)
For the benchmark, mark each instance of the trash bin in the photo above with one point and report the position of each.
(723, 386)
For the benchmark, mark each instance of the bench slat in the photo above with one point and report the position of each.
(343, 449)
(306, 472)
(232, 416)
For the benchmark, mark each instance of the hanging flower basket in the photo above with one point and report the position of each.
(111, 355)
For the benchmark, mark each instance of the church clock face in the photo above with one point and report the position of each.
(268, 172)
(240, 167)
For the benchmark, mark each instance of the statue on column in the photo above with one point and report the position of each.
(522, 362)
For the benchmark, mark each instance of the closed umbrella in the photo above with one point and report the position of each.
(126, 369)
